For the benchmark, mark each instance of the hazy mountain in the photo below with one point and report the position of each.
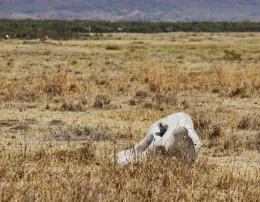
(151, 10)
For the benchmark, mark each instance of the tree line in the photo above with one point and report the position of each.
(61, 29)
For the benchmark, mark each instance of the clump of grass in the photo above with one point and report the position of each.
(74, 106)
(249, 122)
(112, 47)
(57, 84)
(53, 85)
(232, 55)
(141, 94)
(217, 138)
(56, 122)
(29, 95)
(246, 90)
(17, 89)
(101, 101)
(216, 132)
(201, 120)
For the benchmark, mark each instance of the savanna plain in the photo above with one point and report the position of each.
(67, 107)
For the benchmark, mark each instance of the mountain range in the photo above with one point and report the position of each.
(133, 10)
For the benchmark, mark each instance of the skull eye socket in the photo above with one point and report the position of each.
(163, 129)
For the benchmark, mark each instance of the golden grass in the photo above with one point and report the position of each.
(67, 107)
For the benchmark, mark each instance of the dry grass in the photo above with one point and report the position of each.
(67, 107)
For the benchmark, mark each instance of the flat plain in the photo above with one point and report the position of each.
(67, 107)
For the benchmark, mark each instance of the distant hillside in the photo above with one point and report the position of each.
(133, 10)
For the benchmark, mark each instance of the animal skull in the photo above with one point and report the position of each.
(174, 134)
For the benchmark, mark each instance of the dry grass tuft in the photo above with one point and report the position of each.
(216, 133)
(101, 101)
(75, 106)
(249, 122)
(232, 55)
(57, 84)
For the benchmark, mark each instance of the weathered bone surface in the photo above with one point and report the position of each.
(173, 134)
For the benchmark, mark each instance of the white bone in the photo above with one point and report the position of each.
(174, 134)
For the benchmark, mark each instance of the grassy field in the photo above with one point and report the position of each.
(66, 108)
